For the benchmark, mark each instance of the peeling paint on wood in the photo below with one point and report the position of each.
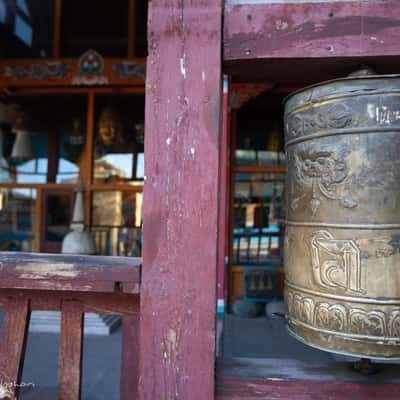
(52, 287)
(230, 2)
(69, 273)
(254, 389)
(40, 270)
(300, 30)
(183, 100)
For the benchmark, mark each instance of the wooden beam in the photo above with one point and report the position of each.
(52, 155)
(253, 389)
(131, 28)
(86, 170)
(183, 116)
(57, 28)
(271, 29)
(69, 272)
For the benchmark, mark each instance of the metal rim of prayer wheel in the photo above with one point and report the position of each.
(342, 243)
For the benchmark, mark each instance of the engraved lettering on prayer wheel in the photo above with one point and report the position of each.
(342, 244)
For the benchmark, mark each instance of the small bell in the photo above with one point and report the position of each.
(22, 149)
(78, 241)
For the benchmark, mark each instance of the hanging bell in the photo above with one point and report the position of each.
(22, 149)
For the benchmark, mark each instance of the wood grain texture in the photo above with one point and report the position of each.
(50, 300)
(71, 346)
(302, 30)
(129, 357)
(13, 343)
(223, 213)
(69, 272)
(178, 297)
(248, 389)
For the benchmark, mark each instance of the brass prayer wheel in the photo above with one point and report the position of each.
(342, 244)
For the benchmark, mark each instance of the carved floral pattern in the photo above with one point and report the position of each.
(340, 318)
(331, 317)
(394, 324)
(367, 322)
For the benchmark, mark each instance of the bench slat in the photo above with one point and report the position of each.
(70, 358)
(13, 344)
(129, 355)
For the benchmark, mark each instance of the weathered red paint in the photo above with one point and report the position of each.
(100, 289)
(309, 30)
(255, 389)
(70, 357)
(223, 217)
(13, 344)
(55, 272)
(129, 357)
(178, 298)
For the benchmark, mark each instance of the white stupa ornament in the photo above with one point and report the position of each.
(78, 241)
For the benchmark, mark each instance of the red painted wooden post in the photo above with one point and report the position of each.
(70, 358)
(178, 297)
(129, 357)
(13, 343)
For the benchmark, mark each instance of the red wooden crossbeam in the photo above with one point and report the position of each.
(257, 389)
(73, 285)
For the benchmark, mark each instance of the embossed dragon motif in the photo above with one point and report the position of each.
(323, 169)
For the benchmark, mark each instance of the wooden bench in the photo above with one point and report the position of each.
(73, 285)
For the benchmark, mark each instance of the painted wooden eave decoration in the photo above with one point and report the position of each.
(256, 29)
(72, 72)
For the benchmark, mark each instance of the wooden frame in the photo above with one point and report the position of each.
(46, 246)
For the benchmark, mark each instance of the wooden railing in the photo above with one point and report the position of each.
(73, 285)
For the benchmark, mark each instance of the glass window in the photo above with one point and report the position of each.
(28, 33)
(17, 219)
(42, 140)
(119, 139)
(58, 217)
(71, 150)
(258, 218)
(116, 222)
